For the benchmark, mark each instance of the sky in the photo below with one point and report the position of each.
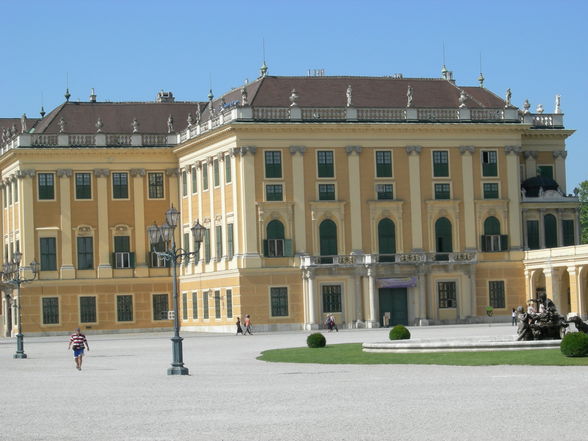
(129, 50)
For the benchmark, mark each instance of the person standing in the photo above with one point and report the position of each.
(239, 328)
(78, 343)
(514, 317)
(247, 325)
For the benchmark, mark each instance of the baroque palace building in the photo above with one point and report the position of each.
(380, 200)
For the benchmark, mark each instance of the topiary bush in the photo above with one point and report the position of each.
(574, 344)
(399, 332)
(316, 340)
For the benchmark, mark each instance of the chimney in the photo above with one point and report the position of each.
(92, 96)
(165, 97)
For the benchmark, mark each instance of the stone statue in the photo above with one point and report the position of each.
(23, 123)
(348, 94)
(170, 124)
(507, 98)
(198, 113)
(557, 104)
(244, 96)
(462, 99)
(539, 109)
(190, 120)
(526, 106)
(293, 98)
(409, 96)
(99, 125)
(581, 326)
(61, 125)
(135, 125)
(546, 324)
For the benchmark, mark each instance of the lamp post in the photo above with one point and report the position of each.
(11, 274)
(163, 235)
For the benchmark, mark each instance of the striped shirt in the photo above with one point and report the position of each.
(78, 341)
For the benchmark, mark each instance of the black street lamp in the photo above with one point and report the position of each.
(11, 274)
(164, 235)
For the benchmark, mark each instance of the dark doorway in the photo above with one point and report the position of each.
(394, 301)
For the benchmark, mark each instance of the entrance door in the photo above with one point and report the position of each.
(393, 300)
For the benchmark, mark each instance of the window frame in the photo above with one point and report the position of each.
(85, 252)
(380, 193)
(489, 168)
(184, 183)
(325, 184)
(436, 193)
(45, 175)
(438, 167)
(95, 309)
(274, 185)
(279, 304)
(120, 186)
(382, 166)
(325, 303)
(156, 304)
(194, 178)
(325, 165)
(119, 313)
(273, 169)
(446, 302)
(42, 254)
(216, 173)
(492, 294)
(194, 305)
(55, 311)
(228, 170)
(155, 186)
(229, 297)
(84, 186)
(486, 193)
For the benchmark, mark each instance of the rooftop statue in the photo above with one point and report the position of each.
(348, 94)
(507, 98)
(170, 124)
(409, 96)
(462, 99)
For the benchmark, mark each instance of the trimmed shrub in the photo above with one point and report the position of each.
(316, 340)
(574, 344)
(399, 332)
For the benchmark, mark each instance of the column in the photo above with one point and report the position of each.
(541, 228)
(26, 215)
(530, 284)
(250, 255)
(104, 266)
(141, 266)
(560, 168)
(415, 196)
(514, 196)
(574, 298)
(174, 196)
(67, 270)
(297, 153)
(530, 164)
(524, 212)
(421, 314)
(580, 291)
(355, 196)
(221, 164)
(468, 197)
(552, 287)
(373, 321)
(236, 185)
(311, 322)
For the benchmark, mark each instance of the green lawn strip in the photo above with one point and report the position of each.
(351, 353)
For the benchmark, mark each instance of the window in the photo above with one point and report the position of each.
(550, 223)
(490, 191)
(496, 293)
(194, 305)
(489, 163)
(273, 164)
(440, 163)
(50, 310)
(332, 298)
(545, 171)
(384, 191)
(88, 309)
(492, 240)
(206, 240)
(328, 240)
(442, 191)
(325, 163)
(204, 176)
(386, 240)
(85, 253)
(184, 306)
(124, 308)
(46, 182)
(218, 232)
(217, 304)
(184, 183)
(155, 185)
(274, 192)
(48, 254)
(443, 238)
(83, 186)
(447, 295)
(568, 233)
(160, 307)
(120, 185)
(230, 245)
(216, 172)
(123, 258)
(157, 261)
(533, 234)
(228, 174)
(279, 301)
(205, 305)
(274, 245)
(194, 181)
(186, 239)
(383, 164)
(326, 192)
(229, 293)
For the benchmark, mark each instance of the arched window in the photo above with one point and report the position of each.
(328, 240)
(274, 245)
(386, 240)
(491, 226)
(443, 238)
(550, 224)
(492, 240)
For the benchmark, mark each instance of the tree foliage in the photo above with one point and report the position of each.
(583, 195)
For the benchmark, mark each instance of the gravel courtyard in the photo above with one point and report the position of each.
(123, 393)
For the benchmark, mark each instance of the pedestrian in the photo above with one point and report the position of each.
(514, 317)
(239, 328)
(333, 323)
(78, 343)
(247, 325)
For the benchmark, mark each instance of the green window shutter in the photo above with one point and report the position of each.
(504, 242)
(533, 234)
(550, 231)
(265, 248)
(328, 238)
(275, 230)
(568, 233)
(132, 259)
(228, 177)
(483, 243)
(113, 260)
(443, 236)
(288, 250)
(491, 226)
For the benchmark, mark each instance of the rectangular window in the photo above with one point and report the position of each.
(533, 234)
(494, 242)
(447, 295)
(490, 191)
(229, 303)
(217, 304)
(279, 301)
(122, 252)
(155, 185)
(216, 172)
(274, 192)
(46, 182)
(124, 308)
(326, 166)
(184, 183)
(275, 248)
(205, 312)
(48, 254)
(230, 245)
(85, 253)
(442, 191)
(228, 174)
(489, 163)
(440, 163)
(194, 305)
(160, 307)
(326, 192)
(120, 185)
(83, 186)
(50, 310)
(207, 251)
(194, 181)
(332, 298)
(496, 292)
(88, 309)
(568, 233)
(384, 191)
(184, 306)
(218, 232)
(273, 164)
(383, 164)
(204, 176)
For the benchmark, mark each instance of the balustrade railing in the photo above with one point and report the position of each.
(154, 140)
(375, 114)
(118, 140)
(44, 140)
(81, 140)
(399, 259)
(324, 113)
(437, 114)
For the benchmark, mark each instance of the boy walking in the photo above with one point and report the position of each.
(78, 342)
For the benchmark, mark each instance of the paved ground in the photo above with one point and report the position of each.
(123, 393)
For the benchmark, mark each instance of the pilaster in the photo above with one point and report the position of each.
(468, 196)
(141, 267)
(67, 270)
(26, 215)
(250, 254)
(530, 164)
(355, 196)
(309, 281)
(415, 196)
(514, 196)
(560, 168)
(104, 266)
(297, 152)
